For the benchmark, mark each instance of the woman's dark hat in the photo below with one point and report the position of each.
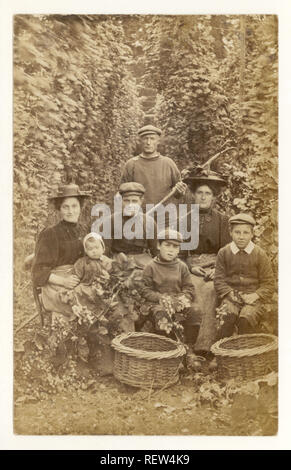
(201, 175)
(69, 190)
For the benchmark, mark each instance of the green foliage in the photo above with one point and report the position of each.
(83, 85)
(76, 110)
(258, 149)
(81, 82)
(216, 81)
(192, 106)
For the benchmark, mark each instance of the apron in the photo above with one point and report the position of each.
(51, 293)
(206, 299)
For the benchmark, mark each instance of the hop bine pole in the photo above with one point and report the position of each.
(205, 165)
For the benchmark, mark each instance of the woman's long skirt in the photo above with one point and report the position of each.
(207, 302)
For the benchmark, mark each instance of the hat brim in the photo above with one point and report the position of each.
(205, 180)
(132, 193)
(176, 242)
(241, 222)
(149, 133)
(218, 184)
(56, 198)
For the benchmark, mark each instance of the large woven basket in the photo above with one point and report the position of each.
(147, 360)
(246, 356)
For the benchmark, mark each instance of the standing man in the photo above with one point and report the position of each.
(158, 174)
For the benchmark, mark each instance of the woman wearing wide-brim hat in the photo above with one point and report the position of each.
(213, 235)
(58, 248)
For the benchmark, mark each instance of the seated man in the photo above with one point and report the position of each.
(133, 238)
(243, 279)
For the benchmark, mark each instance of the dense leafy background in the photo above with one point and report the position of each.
(84, 84)
(216, 84)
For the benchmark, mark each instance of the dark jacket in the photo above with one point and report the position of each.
(243, 272)
(134, 246)
(213, 232)
(56, 246)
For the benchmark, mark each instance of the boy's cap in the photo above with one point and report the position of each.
(132, 188)
(170, 234)
(149, 129)
(242, 219)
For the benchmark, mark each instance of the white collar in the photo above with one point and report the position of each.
(248, 249)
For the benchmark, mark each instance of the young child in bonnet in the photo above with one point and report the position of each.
(94, 264)
(93, 271)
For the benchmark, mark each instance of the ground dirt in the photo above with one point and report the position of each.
(83, 402)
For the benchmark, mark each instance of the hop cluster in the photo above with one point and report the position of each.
(84, 315)
(173, 308)
(182, 302)
(221, 314)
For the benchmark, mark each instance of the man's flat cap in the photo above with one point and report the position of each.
(170, 234)
(242, 219)
(132, 188)
(149, 129)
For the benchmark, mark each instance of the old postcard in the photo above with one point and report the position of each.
(145, 224)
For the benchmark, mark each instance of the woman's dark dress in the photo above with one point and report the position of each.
(57, 249)
(213, 235)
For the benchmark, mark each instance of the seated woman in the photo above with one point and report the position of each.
(213, 235)
(57, 249)
(61, 270)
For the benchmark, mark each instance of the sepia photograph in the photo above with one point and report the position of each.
(145, 224)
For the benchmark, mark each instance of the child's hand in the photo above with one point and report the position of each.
(198, 271)
(210, 275)
(250, 298)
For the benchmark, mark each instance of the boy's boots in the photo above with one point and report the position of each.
(191, 333)
(192, 361)
(244, 327)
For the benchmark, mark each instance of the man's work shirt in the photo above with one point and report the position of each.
(134, 246)
(158, 175)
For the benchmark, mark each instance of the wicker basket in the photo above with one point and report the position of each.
(246, 356)
(147, 360)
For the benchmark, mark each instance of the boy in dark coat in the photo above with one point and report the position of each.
(169, 290)
(243, 279)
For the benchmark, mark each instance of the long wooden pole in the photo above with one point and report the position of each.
(172, 192)
(242, 66)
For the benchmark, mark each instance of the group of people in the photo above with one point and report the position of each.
(225, 272)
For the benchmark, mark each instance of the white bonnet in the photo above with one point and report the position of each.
(96, 236)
